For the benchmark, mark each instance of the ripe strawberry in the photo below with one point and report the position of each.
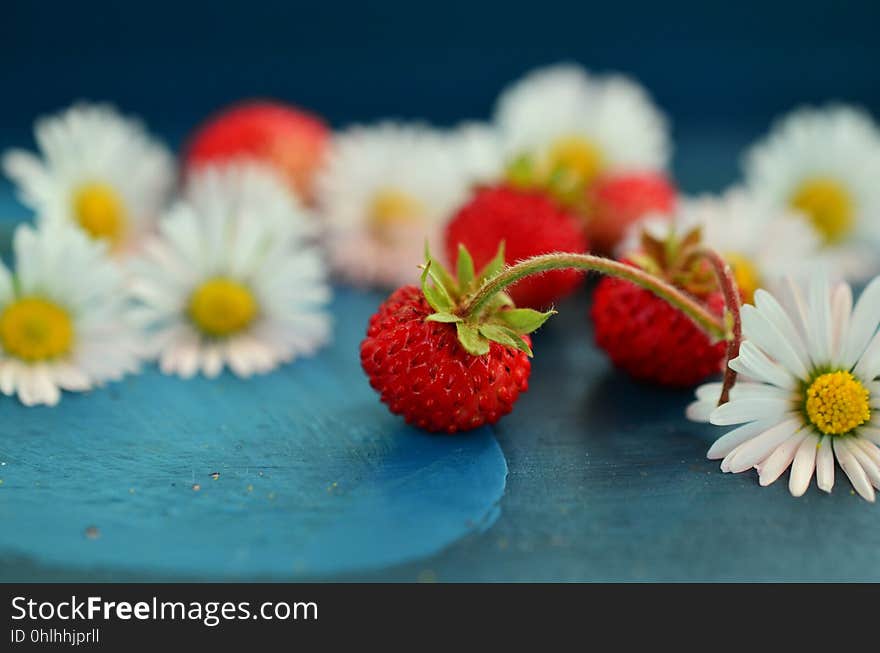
(442, 372)
(644, 335)
(616, 202)
(290, 139)
(528, 222)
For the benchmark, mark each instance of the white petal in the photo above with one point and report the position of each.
(841, 309)
(756, 364)
(758, 448)
(803, 465)
(868, 464)
(766, 336)
(819, 331)
(825, 465)
(853, 469)
(747, 410)
(732, 439)
(863, 325)
(868, 366)
(780, 459)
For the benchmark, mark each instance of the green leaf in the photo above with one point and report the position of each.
(504, 336)
(438, 299)
(443, 317)
(523, 320)
(471, 339)
(465, 268)
(494, 266)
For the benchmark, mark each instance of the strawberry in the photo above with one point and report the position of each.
(528, 222)
(288, 138)
(443, 372)
(618, 201)
(645, 336)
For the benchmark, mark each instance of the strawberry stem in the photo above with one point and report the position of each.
(730, 290)
(709, 323)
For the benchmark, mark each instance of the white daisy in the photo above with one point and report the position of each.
(761, 244)
(99, 170)
(562, 125)
(825, 163)
(232, 279)
(812, 392)
(63, 322)
(478, 152)
(386, 189)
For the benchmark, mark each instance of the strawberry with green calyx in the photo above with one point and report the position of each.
(442, 370)
(454, 354)
(645, 336)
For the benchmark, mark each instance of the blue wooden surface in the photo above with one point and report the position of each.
(606, 479)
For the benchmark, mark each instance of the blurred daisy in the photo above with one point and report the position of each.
(825, 163)
(812, 393)
(761, 244)
(479, 152)
(63, 323)
(562, 127)
(385, 190)
(98, 170)
(232, 279)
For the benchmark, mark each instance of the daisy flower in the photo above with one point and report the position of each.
(386, 189)
(825, 163)
(98, 170)
(63, 320)
(762, 244)
(232, 279)
(563, 127)
(812, 394)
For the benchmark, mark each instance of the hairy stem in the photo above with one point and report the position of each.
(709, 323)
(729, 289)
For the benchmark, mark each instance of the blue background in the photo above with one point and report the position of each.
(604, 478)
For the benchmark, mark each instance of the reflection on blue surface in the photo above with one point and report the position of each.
(315, 476)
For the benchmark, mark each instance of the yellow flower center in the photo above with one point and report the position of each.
(746, 275)
(837, 403)
(828, 205)
(576, 158)
(35, 329)
(569, 166)
(391, 209)
(100, 211)
(221, 307)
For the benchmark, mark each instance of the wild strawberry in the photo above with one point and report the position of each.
(616, 202)
(528, 222)
(645, 336)
(445, 372)
(288, 138)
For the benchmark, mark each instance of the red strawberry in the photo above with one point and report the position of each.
(441, 371)
(617, 202)
(283, 136)
(423, 373)
(528, 222)
(651, 340)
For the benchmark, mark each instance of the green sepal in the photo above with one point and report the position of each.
(444, 317)
(494, 266)
(436, 295)
(504, 336)
(520, 172)
(439, 274)
(523, 320)
(470, 338)
(465, 268)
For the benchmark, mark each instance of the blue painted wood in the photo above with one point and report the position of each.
(607, 480)
(298, 473)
